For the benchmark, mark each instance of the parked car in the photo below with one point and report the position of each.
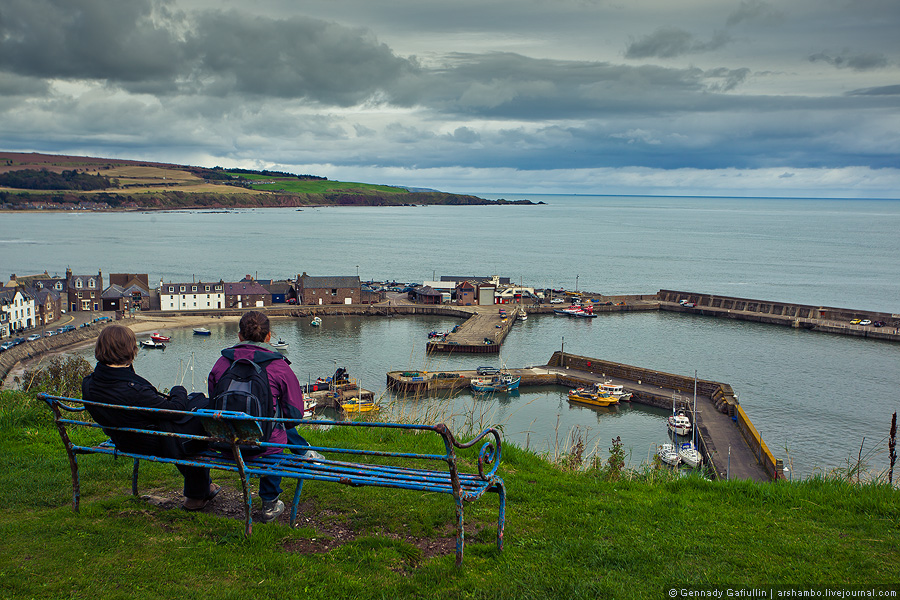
(488, 370)
(556, 301)
(855, 321)
(6, 346)
(49, 333)
(18, 340)
(33, 336)
(878, 324)
(865, 322)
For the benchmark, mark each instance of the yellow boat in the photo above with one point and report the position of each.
(586, 396)
(354, 405)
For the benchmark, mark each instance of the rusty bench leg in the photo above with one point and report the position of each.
(296, 505)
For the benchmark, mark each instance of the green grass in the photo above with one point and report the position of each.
(568, 534)
(318, 186)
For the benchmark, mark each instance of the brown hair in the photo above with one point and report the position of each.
(254, 326)
(116, 345)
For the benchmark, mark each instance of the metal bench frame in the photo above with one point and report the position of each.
(239, 429)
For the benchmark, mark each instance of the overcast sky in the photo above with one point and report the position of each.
(705, 97)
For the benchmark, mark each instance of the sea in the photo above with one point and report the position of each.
(822, 402)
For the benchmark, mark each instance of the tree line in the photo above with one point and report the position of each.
(34, 179)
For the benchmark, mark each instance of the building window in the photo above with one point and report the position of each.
(91, 283)
(181, 289)
(78, 283)
(194, 288)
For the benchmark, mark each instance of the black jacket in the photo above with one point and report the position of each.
(122, 386)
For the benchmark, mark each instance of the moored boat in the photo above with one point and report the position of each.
(690, 455)
(153, 344)
(592, 397)
(158, 337)
(679, 423)
(316, 322)
(201, 331)
(357, 405)
(668, 454)
(615, 390)
(280, 344)
(502, 382)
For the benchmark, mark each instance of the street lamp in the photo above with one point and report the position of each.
(576, 283)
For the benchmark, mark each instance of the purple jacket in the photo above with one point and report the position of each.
(286, 391)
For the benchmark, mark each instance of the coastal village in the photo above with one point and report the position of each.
(35, 302)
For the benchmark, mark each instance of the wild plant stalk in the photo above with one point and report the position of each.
(892, 449)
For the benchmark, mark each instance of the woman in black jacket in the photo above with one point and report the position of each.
(115, 382)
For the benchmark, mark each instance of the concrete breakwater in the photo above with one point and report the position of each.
(817, 318)
(727, 438)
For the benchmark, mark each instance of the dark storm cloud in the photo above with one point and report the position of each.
(125, 40)
(295, 57)
(670, 42)
(857, 62)
(145, 47)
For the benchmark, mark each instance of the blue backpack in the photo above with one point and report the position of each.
(244, 387)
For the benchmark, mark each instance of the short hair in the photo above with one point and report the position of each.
(254, 326)
(116, 345)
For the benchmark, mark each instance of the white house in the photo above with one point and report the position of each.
(19, 310)
(191, 296)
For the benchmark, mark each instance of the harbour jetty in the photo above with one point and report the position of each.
(729, 442)
(483, 332)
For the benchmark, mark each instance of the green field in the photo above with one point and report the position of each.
(316, 186)
(572, 531)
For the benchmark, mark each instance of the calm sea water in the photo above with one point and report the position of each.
(814, 397)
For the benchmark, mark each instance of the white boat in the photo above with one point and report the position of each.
(201, 331)
(689, 454)
(667, 454)
(153, 344)
(280, 344)
(316, 322)
(522, 315)
(679, 423)
(615, 390)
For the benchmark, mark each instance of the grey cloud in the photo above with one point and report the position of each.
(753, 10)
(146, 47)
(857, 62)
(886, 90)
(670, 42)
(294, 57)
(127, 40)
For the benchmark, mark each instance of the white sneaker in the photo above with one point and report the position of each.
(313, 455)
(271, 510)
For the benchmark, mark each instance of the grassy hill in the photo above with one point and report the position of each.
(148, 185)
(572, 531)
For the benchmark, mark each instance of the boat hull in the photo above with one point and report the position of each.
(585, 397)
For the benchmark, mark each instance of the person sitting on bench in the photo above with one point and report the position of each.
(115, 382)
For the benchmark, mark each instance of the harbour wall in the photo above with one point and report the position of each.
(721, 394)
(817, 318)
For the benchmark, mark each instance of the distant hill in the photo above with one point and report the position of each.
(48, 181)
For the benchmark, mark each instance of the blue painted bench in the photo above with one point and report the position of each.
(378, 468)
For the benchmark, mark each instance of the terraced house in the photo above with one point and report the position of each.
(191, 296)
(84, 291)
(17, 310)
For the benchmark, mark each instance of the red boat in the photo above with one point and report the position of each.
(160, 338)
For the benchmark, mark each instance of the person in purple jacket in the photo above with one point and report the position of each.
(287, 394)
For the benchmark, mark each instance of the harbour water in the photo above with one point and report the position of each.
(814, 397)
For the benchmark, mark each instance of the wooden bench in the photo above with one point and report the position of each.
(361, 467)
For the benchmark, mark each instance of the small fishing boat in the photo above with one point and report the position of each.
(158, 337)
(316, 322)
(679, 423)
(357, 405)
(280, 344)
(153, 344)
(615, 390)
(502, 382)
(523, 316)
(592, 397)
(668, 454)
(201, 331)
